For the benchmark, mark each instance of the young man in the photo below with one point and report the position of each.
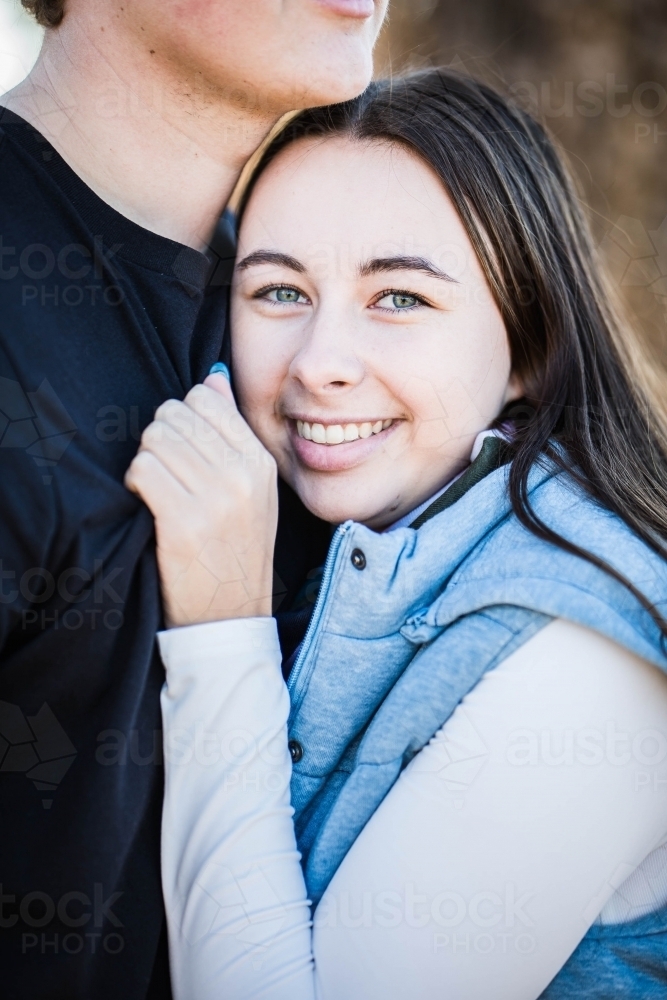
(117, 156)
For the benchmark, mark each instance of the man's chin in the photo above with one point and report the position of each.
(341, 80)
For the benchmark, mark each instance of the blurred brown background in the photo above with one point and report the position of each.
(595, 71)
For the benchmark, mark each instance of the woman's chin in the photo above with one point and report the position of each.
(327, 508)
(335, 503)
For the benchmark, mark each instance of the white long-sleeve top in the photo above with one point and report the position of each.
(539, 807)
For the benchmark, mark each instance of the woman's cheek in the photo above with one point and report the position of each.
(475, 398)
(258, 411)
(453, 412)
(249, 362)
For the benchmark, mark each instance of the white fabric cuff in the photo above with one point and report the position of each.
(180, 647)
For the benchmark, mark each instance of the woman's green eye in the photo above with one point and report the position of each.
(281, 295)
(400, 301)
(397, 301)
(287, 295)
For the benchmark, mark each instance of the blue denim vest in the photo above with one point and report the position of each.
(405, 625)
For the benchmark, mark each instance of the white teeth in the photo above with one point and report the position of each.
(337, 433)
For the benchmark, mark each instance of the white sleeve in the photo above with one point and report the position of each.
(237, 913)
(478, 875)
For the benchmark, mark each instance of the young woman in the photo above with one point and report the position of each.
(423, 349)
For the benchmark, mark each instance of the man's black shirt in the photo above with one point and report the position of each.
(100, 321)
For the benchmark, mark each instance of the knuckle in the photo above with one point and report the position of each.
(151, 435)
(165, 408)
(198, 392)
(142, 464)
(137, 474)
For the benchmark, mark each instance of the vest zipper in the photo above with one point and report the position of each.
(327, 573)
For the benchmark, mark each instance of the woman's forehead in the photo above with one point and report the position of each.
(360, 194)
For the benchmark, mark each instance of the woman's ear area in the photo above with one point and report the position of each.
(515, 389)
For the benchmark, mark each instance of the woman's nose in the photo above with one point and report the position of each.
(326, 359)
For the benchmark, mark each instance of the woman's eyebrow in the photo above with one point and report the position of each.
(270, 257)
(400, 263)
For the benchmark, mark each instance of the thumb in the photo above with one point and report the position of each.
(218, 379)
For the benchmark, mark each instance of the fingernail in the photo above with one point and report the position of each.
(221, 368)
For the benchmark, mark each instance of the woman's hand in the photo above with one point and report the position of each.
(212, 488)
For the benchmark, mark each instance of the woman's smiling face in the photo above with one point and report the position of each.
(368, 351)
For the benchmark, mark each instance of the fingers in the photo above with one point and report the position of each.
(187, 443)
(155, 484)
(220, 411)
(215, 409)
(175, 443)
(200, 472)
(201, 437)
(214, 415)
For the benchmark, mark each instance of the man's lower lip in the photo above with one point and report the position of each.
(336, 457)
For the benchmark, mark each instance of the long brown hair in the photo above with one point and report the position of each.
(586, 405)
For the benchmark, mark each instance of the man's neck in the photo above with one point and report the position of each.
(154, 145)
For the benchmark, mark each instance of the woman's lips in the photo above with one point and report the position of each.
(337, 457)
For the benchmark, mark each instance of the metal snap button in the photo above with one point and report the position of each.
(295, 751)
(358, 559)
